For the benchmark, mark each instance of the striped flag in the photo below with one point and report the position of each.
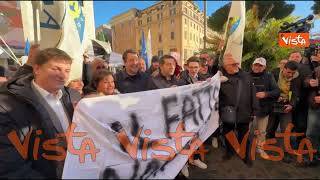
(235, 30)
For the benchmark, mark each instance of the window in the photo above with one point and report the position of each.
(185, 21)
(172, 35)
(160, 53)
(186, 10)
(191, 24)
(185, 35)
(174, 2)
(185, 53)
(172, 11)
(158, 16)
(160, 38)
(173, 50)
(149, 19)
(190, 36)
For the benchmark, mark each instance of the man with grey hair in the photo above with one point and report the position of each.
(237, 103)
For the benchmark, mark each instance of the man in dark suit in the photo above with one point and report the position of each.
(35, 105)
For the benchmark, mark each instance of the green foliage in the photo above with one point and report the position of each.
(279, 10)
(316, 7)
(263, 42)
(218, 19)
(101, 37)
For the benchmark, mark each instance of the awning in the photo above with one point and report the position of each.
(101, 47)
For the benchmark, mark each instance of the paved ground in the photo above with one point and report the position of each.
(235, 168)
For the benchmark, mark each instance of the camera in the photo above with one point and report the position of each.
(302, 25)
(278, 107)
(312, 50)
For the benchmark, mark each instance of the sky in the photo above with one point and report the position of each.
(105, 10)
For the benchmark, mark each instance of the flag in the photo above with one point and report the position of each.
(27, 48)
(1, 51)
(149, 49)
(144, 50)
(235, 30)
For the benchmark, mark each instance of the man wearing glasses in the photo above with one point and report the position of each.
(237, 95)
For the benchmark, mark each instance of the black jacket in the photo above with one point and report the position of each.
(295, 87)
(312, 104)
(160, 82)
(128, 84)
(21, 112)
(212, 70)
(248, 104)
(185, 79)
(265, 82)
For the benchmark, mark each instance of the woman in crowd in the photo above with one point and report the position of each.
(102, 84)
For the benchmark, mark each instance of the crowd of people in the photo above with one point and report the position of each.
(36, 98)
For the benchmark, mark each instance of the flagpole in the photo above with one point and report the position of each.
(36, 6)
(205, 23)
(224, 36)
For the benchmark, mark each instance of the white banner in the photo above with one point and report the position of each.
(236, 22)
(141, 135)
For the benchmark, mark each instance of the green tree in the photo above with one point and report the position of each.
(263, 42)
(316, 7)
(271, 9)
(264, 9)
(101, 36)
(217, 19)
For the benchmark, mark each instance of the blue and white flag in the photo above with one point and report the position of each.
(144, 54)
(27, 48)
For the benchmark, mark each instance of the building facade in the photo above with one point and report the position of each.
(175, 26)
(104, 29)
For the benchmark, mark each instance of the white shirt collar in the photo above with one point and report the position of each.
(44, 93)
